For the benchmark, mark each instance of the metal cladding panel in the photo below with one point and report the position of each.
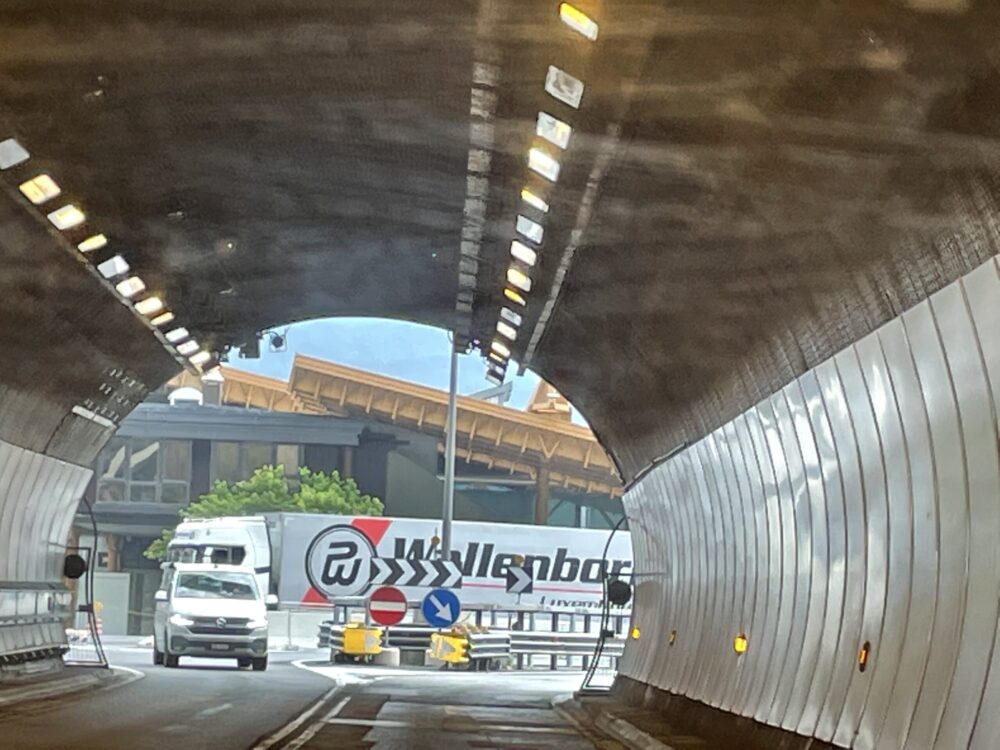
(979, 462)
(859, 503)
(38, 497)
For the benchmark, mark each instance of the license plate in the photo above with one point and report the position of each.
(220, 646)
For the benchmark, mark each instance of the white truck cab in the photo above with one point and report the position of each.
(209, 610)
(227, 540)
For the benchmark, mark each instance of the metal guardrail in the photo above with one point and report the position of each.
(519, 645)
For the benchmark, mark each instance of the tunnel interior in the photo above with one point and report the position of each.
(766, 273)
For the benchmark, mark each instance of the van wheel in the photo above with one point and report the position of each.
(157, 656)
(170, 660)
(243, 663)
(259, 665)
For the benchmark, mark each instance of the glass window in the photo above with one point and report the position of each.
(226, 461)
(144, 471)
(177, 459)
(112, 463)
(216, 585)
(175, 493)
(288, 456)
(142, 493)
(111, 491)
(256, 455)
(145, 455)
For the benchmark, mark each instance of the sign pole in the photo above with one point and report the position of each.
(448, 507)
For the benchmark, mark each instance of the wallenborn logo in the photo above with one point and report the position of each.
(338, 562)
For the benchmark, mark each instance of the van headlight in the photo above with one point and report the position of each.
(181, 621)
(257, 623)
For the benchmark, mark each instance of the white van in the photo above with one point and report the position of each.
(227, 540)
(214, 611)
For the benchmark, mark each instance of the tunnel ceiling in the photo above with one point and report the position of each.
(749, 187)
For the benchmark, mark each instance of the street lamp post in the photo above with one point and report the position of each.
(448, 506)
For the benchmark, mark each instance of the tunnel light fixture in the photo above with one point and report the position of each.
(67, 217)
(740, 644)
(564, 87)
(579, 21)
(506, 330)
(524, 254)
(92, 243)
(39, 189)
(12, 153)
(497, 358)
(510, 316)
(132, 286)
(494, 378)
(177, 334)
(188, 347)
(530, 229)
(500, 348)
(114, 266)
(534, 201)
(514, 296)
(200, 358)
(518, 279)
(149, 306)
(545, 165)
(163, 319)
(552, 129)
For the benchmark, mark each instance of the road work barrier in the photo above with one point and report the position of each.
(520, 638)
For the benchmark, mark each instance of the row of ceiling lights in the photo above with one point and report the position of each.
(40, 190)
(542, 160)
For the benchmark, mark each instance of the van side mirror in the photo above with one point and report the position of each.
(161, 596)
(271, 601)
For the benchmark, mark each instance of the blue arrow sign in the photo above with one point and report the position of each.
(441, 608)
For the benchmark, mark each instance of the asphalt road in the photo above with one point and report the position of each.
(212, 705)
(205, 704)
(419, 710)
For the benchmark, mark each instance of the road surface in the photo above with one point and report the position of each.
(299, 702)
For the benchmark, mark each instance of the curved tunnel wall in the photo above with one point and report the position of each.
(38, 497)
(859, 503)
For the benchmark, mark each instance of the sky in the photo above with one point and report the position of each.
(407, 351)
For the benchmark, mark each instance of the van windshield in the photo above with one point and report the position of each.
(216, 585)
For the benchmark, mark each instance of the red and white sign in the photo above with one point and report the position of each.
(387, 605)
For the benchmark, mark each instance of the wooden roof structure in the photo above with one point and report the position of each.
(497, 437)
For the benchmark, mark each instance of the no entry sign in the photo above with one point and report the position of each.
(387, 605)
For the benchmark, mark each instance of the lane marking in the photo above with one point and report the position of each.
(311, 731)
(460, 727)
(298, 721)
(213, 711)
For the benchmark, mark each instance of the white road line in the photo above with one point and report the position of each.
(216, 710)
(309, 733)
(298, 721)
(461, 727)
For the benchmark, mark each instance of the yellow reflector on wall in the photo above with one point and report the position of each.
(635, 633)
(579, 21)
(863, 656)
(740, 644)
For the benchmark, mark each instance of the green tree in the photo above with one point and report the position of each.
(269, 491)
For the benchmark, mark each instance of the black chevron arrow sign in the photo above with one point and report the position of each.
(432, 573)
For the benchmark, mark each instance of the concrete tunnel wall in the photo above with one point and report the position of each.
(859, 503)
